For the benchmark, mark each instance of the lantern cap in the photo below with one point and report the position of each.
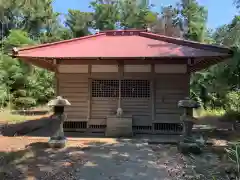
(59, 101)
(188, 103)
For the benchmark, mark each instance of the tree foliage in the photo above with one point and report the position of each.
(136, 14)
(105, 15)
(166, 23)
(78, 22)
(192, 18)
(33, 22)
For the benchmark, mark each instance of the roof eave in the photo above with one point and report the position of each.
(208, 62)
(55, 43)
(193, 44)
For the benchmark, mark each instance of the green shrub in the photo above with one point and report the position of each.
(232, 115)
(232, 101)
(232, 106)
(24, 102)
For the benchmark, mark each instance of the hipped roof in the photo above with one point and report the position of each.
(124, 44)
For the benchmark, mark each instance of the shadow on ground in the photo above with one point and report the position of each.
(29, 126)
(38, 161)
(123, 159)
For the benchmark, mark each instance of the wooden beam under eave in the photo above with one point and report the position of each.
(39, 63)
(203, 64)
(124, 61)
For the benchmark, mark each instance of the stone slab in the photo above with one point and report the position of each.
(119, 127)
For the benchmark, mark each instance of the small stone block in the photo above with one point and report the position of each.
(119, 127)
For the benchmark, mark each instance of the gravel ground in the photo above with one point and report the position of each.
(190, 167)
(29, 159)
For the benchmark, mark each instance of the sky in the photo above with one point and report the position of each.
(219, 11)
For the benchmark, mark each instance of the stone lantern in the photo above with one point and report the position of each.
(187, 118)
(188, 142)
(58, 139)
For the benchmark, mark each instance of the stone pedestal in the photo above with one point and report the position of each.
(58, 139)
(119, 127)
(57, 143)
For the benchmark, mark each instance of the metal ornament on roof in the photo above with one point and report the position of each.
(59, 101)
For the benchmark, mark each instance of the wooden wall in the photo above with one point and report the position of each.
(74, 87)
(166, 90)
(169, 89)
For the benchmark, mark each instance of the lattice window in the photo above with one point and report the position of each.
(135, 88)
(129, 88)
(105, 88)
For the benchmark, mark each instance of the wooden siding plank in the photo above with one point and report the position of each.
(137, 75)
(137, 68)
(169, 90)
(73, 68)
(74, 90)
(171, 68)
(97, 121)
(103, 107)
(169, 111)
(167, 117)
(104, 75)
(76, 77)
(139, 120)
(74, 87)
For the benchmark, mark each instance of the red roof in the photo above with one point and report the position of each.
(123, 44)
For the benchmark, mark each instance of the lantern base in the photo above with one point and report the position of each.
(57, 142)
(187, 147)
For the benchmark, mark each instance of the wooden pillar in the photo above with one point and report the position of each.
(188, 74)
(120, 71)
(56, 78)
(89, 94)
(119, 93)
(188, 87)
(153, 96)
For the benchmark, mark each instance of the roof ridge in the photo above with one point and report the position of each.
(124, 30)
(192, 44)
(59, 42)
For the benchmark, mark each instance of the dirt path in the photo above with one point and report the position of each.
(27, 158)
(128, 160)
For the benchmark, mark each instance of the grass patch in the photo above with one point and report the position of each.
(209, 112)
(7, 117)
